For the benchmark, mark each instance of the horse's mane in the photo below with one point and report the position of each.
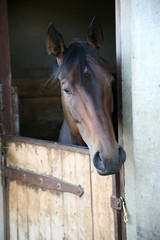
(77, 52)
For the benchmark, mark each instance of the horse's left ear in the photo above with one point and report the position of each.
(95, 34)
(55, 42)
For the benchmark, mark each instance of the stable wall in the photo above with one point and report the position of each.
(140, 32)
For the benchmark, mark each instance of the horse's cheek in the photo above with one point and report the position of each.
(70, 108)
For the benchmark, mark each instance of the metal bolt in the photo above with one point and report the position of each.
(58, 185)
(41, 180)
(118, 204)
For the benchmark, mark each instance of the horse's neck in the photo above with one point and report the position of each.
(65, 136)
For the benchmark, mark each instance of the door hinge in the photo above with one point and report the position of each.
(119, 204)
(44, 182)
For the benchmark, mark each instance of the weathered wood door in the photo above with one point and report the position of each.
(38, 213)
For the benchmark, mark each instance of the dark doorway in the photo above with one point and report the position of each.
(40, 107)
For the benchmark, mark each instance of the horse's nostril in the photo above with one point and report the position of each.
(98, 162)
(122, 154)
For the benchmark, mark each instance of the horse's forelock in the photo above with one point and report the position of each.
(77, 53)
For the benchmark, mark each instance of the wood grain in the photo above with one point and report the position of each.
(13, 217)
(102, 212)
(22, 208)
(33, 196)
(38, 214)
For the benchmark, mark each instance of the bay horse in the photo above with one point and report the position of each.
(86, 91)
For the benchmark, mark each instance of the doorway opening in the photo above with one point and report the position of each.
(40, 109)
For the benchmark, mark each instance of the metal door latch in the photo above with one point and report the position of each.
(119, 204)
(124, 209)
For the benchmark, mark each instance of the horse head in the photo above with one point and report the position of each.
(86, 89)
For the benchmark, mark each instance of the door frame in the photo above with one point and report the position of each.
(119, 178)
(6, 128)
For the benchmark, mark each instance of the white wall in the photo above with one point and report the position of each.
(140, 25)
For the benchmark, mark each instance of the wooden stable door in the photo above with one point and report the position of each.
(38, 213)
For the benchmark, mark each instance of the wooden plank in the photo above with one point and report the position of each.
(44, 215)
(84, 205)
(36, 87)
(22, 212)
(33, 196)
(56, 198)
(77, 212)
(102, 211)
(13, 218)
(29, 157)
(69, 202)
(14, 141)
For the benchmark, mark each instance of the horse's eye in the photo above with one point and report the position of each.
(67, 91)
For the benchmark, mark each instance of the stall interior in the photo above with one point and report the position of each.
(40, 109)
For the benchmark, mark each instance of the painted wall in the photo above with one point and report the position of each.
(140, 25)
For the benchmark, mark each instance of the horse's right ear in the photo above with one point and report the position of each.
(55, 42)
(95, 34)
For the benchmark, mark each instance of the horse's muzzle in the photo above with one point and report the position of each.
(109, 166)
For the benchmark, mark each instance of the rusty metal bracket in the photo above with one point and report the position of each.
(119, 204)
(45, 182)
(116, 203)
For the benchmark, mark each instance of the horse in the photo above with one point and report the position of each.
(86, 93)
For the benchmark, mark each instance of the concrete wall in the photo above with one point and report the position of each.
(140, 25)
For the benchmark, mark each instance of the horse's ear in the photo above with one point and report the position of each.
(95, 34)
(55, 42)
